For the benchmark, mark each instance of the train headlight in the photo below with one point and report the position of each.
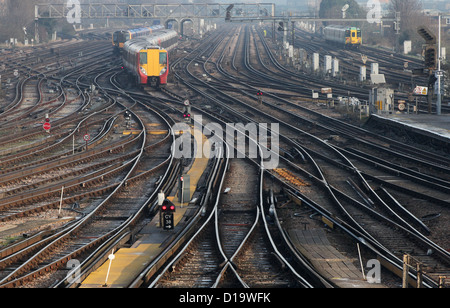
(143, 71)
(163, 71)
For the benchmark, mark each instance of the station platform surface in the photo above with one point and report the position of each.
(435, 126)
(330, 263)
(129, 262)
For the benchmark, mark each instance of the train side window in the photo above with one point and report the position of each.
(143, 58)
(163, 58)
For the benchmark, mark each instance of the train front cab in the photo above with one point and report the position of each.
(353, 37)
(153, 66)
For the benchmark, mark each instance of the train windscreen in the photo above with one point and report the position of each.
(163, 58)
(143, 58)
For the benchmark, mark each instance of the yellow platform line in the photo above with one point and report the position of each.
(158, 132)
(127, 260)
(198, 167)
(132, 132)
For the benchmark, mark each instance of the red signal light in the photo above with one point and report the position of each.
(167, 207)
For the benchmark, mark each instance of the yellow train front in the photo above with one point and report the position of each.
(343, 35)
(147, 58)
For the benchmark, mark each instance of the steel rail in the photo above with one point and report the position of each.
(255, 110)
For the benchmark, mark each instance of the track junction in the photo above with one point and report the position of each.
(87, 188)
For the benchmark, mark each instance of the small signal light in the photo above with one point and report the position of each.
(167, 207)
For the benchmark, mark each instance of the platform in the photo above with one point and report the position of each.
(129, 262)
(329, 262)
(429, 125)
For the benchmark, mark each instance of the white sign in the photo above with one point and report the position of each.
(74, 14)
(421, 90)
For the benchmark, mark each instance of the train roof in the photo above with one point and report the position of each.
(341, 27)
(150, 41)
(142, 29)
(138, 30)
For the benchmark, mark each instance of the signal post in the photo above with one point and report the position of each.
(430, 64)
(46, 126)
(166, 215)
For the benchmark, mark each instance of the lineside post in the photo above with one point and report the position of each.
(405, 271)
(441, 281)
(419, 275)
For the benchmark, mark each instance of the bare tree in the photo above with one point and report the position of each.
(17, 15)
(411, 17)
(410, 11)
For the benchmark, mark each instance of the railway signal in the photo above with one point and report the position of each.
(187, 115)
(259, 94)
(427, 35)
(430, 57)
(228, 12)
(187, 112)
(47, 124)
(430, 47)
(167, 207)
(281, 26)
(430, 62)
(167, 210)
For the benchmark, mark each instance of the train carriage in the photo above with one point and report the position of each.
(119, 38)
(343, 35)
(147, 58)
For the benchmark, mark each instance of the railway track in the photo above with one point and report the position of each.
(122, 172)
(392, 65)
(341, 161)
(233, 247)
(341, 172)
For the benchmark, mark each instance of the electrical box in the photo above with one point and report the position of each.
(382, 100)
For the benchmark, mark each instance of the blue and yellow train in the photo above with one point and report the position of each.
(349, 37)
